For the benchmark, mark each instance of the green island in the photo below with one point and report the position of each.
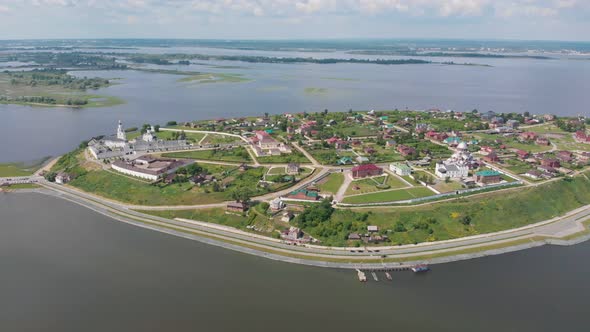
(358, 179)
(52, 88)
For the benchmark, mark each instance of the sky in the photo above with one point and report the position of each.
(296, 19)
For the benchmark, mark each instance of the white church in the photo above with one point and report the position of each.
(457, 166)
(117, 146)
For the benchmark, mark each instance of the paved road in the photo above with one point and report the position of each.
(563, 226)
(307, 154)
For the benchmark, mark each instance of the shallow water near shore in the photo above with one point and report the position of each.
(66, 268)
(509, 85)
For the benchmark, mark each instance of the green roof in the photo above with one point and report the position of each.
(345, 160)
(488, 172)
(307, 193)
(452, 139)
(402, 166)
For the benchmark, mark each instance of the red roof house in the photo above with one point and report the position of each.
(528, 136)
(365, 170)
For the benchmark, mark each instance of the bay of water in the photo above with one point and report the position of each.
(511, 85)
(66, 268)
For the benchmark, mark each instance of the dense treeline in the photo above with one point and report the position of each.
(70, 60)
(449, 54)
(164, 59)
(44, 100)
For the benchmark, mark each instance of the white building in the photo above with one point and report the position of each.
(265, 145)
(62, 178)
(117, 146)
(277, 204)
(400, 169)
(121, 132)
(452, 170)
(148, 168)
(457, 166)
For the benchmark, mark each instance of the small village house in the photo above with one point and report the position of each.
(400, 169)
(366, 170)
(488, 177)
(237, 207)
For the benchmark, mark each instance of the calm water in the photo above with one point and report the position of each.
(66, 268)
(538, 86)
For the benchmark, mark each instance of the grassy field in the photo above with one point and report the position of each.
(370, 185)
(332, 183)
(167, 135)
(517, 166)
(444, 187)
(220, 139)
(567, 142)
(512, 142)
(545, 129)
(389, 196)
(8, 170)
(492, 212)
(128, 190)
(216, 216)
(277, 171)
(294, 157)
(237, 155)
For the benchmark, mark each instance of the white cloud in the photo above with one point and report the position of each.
(300, 9)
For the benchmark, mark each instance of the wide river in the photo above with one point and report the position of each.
(66, 268)
(558, 86)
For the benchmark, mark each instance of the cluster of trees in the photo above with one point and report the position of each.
(45, 100)
(190, 170)
(570, 125)
(33, 99)
(178, 135)
(150, 59)
(315, 214)
(426, 178)
(70, 60)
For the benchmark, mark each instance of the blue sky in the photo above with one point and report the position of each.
(285, 19)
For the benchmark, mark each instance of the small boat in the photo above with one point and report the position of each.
(361, 275)
(374, 276)
(420, 268)
(388, 276)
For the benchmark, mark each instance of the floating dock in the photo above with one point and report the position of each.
(387, 270)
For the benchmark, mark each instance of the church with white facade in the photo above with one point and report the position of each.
(457, 166)
(117, 146)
